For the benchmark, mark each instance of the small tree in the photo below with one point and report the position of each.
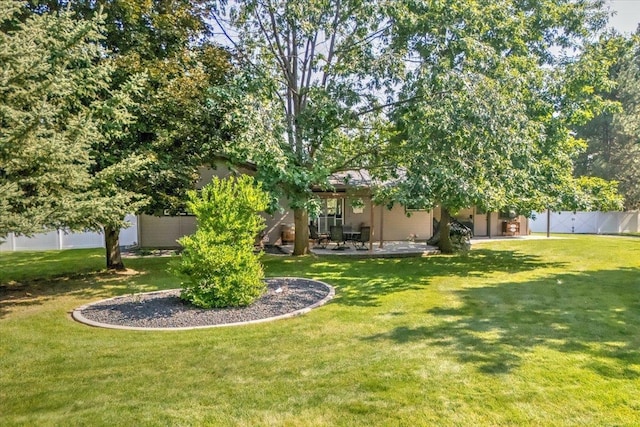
(218, 259)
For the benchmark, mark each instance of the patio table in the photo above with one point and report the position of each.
(351, 236)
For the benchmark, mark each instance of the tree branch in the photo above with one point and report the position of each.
(332, 45)
(390, 104)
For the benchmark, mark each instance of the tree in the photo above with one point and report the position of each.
(152, 160)
(323, 70)
(52, 109)
(612, 136)
(491, 123)
(596, 194)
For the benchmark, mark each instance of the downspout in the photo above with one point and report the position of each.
(381, 245)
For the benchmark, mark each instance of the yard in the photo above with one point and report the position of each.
(540, 332)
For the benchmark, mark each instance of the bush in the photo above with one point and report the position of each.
(218, 261)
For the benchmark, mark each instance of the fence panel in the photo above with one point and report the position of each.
(587, 222)
(61, 239)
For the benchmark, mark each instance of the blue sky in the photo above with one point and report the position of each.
(628, 15)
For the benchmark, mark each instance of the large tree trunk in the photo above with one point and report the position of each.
(301, 240)
(112, 246)
(445, 232)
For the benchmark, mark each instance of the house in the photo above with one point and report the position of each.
(349, 203)
(337, 208)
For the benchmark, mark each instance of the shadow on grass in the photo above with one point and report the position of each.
(362, 282)
(147, 274)
(596, 313)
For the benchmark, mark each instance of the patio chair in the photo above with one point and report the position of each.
(320, 240)
(336, 235)
(363, 238)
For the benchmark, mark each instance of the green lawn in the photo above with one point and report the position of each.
(539, 332)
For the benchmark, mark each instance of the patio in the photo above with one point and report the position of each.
(398, 249)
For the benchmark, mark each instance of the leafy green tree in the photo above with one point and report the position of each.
(173, 128)
(54, 105)
(493, 110)
(218, 261)
(596, 194)
(322, 71)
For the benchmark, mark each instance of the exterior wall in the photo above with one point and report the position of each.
(164, 231)
(479, 221)
(361, 218)
(398, 226)
(275, 223)
(391, 224)
(480, 224)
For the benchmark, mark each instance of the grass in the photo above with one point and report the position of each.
(21, 266)
(540, 332)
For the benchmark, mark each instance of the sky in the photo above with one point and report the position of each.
(627, 17)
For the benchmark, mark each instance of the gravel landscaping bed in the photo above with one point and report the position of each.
(165, 310)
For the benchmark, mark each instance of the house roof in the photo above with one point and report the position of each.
(353, 179)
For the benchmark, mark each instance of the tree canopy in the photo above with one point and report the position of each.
(491, 125)
(147, 163)
(324, 71)
(52, 110)
(613, 136)
(462, 102)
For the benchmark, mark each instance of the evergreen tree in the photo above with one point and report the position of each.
(52, 88)
(153, 159)
(613, 137)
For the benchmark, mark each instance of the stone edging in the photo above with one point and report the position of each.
(76, 314)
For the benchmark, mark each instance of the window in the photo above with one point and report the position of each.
(331, 213)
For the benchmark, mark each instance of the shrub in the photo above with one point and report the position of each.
(218, 262)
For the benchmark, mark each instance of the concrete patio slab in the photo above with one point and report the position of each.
(397, 249)
(389, 250)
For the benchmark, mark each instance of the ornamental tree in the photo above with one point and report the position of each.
(218, 260)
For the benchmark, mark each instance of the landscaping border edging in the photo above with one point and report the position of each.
(77, 315)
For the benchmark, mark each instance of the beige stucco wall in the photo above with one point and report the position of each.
(391, 224)
(397, 225)
(275, 222)
(496, 225)
(164, 231)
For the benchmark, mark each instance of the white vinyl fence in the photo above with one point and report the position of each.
(587, 222)
(61, 239)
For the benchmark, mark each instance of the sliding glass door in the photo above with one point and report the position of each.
(331, 213)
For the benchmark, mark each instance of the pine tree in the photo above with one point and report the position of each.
(613, 136)
(50, 76)
(150, 158)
